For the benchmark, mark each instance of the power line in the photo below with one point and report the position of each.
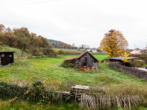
(17, 3)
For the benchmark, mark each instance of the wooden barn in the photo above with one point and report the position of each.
(85, 59)
(6, 58)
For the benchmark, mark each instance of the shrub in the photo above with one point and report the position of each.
(105, 60)
(60, 52)
(34, 93)
(67, 65)
(11, 90)
(38, 54)
(48, 51)
(143, 57)
(137, 63)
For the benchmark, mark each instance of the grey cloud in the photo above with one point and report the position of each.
(81, 21)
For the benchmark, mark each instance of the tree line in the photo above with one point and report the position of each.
(61, 45)
(23, 39)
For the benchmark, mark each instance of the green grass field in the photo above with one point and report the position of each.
(69, 50)
(108, 79)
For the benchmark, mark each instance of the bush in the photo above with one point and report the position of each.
(106, 59)
(11, 90)
(38, 54)
(48, 51)
(60, 52)
(67, 65)
(34, 93)
(137, 63)
(143, 57)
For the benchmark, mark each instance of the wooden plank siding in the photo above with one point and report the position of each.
(84, 59)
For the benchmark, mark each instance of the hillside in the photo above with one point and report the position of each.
(18, 52)
(60, 44)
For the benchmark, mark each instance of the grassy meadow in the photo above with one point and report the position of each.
(108, 79)
(69, 50)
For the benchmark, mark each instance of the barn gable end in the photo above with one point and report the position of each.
(84, 59)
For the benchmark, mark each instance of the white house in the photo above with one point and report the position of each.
(136, 52)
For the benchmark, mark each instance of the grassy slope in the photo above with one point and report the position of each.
(17, 53)
(49, 68)
(44, 68)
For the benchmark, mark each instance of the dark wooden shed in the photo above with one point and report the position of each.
(6, 58)
(120, 61)
(84, 59)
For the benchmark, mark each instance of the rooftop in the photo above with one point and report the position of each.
(120, 58)
(72, 58)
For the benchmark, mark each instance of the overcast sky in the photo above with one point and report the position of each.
(78, 21)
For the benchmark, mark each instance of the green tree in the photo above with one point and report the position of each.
(22, 42)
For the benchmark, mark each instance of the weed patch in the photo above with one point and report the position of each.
(106, 80)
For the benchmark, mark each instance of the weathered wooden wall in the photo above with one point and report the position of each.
(86, 60)
(132, 71)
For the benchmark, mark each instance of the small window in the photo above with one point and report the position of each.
(10, 55)
(2, 55)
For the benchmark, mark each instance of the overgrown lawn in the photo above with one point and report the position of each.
(108, 79)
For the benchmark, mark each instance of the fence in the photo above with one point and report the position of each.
(131, 71)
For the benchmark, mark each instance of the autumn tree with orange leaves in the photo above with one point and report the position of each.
(113, 43)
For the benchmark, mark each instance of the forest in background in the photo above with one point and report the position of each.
(27, 41)
(59, 44)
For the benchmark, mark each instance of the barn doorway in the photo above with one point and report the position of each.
(4, 59)
(84, 61)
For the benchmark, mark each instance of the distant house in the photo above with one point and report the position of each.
(136, 53)
(88, 50)
(94, 49)
(119, 60)
(6, 58)
(84, 59)
(143, 50)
